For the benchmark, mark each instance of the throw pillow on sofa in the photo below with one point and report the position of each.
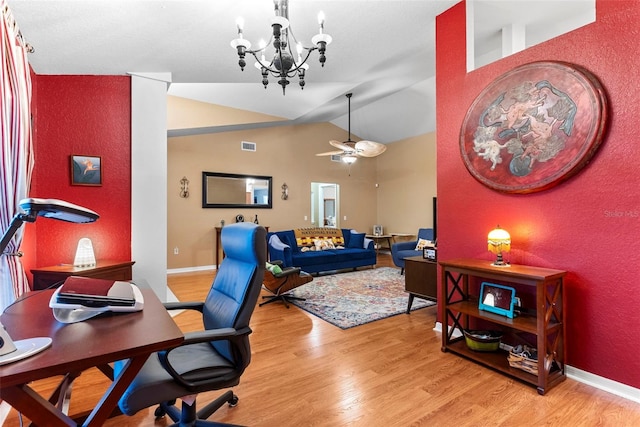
(324, 244)
(356, 240)
(423, 243)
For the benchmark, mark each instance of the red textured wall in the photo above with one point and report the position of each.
(87, 115)
(588, 225)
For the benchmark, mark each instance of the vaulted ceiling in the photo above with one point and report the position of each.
(383, 51)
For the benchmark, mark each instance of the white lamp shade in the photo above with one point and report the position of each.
(84, 254)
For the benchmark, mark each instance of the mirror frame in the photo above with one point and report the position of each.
(205, 187)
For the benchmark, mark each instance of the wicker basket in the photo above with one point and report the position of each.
(522, 362)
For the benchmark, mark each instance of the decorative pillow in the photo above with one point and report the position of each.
(356, 240)
(422, 243)
(323, 244)
(274, 268)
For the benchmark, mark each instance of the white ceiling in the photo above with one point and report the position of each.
(383, 51)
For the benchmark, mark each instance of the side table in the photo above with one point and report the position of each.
(377, 238)
(420, 279)
(43, 277)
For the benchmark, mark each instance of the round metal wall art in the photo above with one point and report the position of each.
(534, 127)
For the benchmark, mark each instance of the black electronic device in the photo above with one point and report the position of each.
(430, 253)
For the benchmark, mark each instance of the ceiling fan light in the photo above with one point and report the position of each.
(349, 158)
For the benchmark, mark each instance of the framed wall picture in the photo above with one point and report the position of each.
(86, 170)
(534, 127)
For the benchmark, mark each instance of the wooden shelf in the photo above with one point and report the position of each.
(521, 323)
(496, 360)
(460, 310)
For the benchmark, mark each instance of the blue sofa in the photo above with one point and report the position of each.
(296, 251)
(402, 250)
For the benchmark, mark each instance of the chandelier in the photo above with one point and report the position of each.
(283, 65)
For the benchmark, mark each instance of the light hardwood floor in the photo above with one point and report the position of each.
(306, 372)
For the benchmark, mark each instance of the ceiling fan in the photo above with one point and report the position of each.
(350, 150)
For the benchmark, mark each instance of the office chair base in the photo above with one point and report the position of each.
(190, 417)
(284, 298)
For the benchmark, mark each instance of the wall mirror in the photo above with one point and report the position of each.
(325, 204)
(227, 190)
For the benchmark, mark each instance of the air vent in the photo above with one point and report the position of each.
(336, 158)
(248, 146)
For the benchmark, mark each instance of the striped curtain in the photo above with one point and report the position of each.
(16, 152)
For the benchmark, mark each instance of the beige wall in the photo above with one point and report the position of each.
(405, 175)
(285, 153)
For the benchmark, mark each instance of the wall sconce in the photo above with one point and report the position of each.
(499, 241)
(285, 191)
(184, 187)
(84, 254)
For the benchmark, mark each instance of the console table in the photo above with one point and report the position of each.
(420, 279)
(43, 277)
(541, 321)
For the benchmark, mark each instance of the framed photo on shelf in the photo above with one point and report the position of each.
(377, 230)
(429, 253)
(497, 299)
(86, 170)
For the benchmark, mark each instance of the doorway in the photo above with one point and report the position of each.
(325, 204)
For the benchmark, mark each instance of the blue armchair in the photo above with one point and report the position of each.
(402, 250)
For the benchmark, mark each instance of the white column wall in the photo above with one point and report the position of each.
(149, 179)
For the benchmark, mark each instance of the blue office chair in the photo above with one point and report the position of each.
(215, 358)
(402, 250)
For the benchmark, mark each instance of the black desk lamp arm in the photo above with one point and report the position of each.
(16, 223)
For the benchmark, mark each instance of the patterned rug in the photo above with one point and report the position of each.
(355, 298)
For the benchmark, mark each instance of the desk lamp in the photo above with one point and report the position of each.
(11, 351)
(499, 241)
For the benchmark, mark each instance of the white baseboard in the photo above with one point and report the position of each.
(604, 384)
(191, 269)
(601, 383)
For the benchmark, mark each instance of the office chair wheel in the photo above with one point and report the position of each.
(233, 401)
(160, 411)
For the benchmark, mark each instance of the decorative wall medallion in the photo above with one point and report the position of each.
(534, 127)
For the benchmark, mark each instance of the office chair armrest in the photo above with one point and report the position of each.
(228, 334)
(276, 262)
(187, 305)
(214, 335)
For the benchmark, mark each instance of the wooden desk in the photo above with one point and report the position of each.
(420, 279)
(43, 277)
(80, 346)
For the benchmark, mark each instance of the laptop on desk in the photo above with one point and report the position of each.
(92, 292)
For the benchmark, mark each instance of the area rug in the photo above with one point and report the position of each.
(355, 298)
